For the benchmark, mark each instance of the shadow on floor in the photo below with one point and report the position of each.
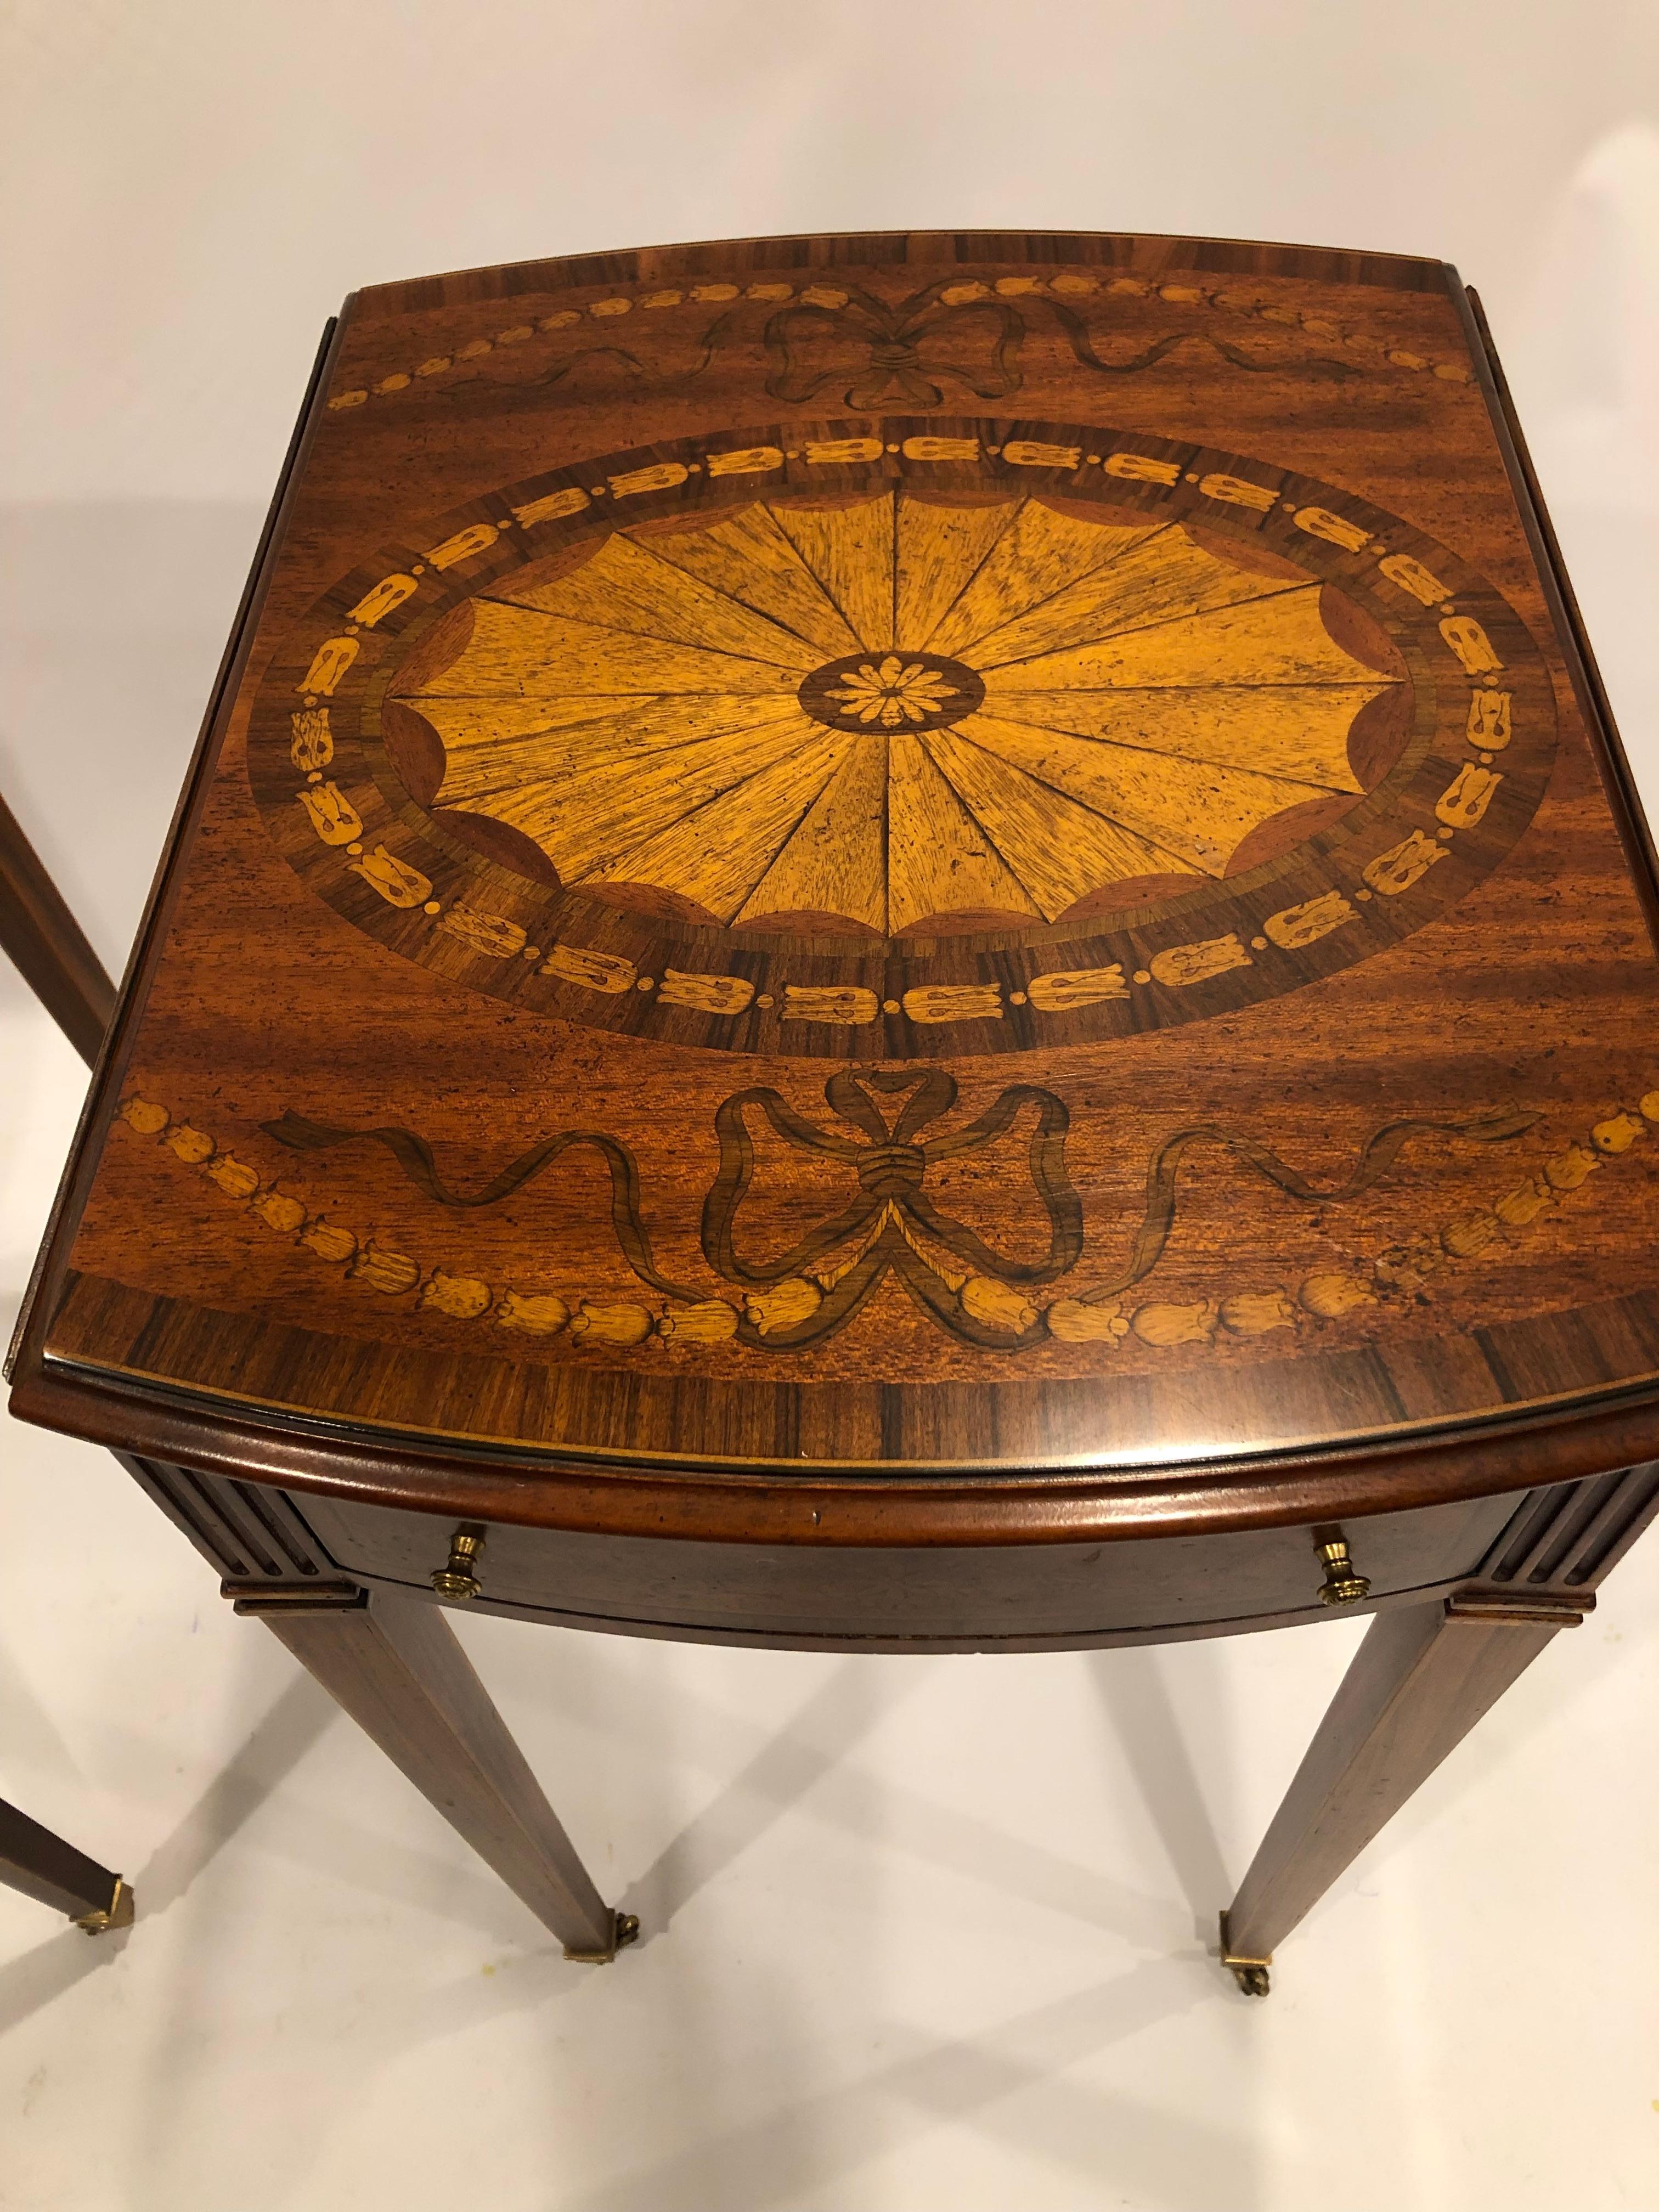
(270, 1754)
(1135, 1699)
(814, 1757)
(1011, 2082)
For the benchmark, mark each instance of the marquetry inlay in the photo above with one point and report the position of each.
(829, 745)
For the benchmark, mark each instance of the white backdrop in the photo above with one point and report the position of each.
(922, 1952)
(188, 187)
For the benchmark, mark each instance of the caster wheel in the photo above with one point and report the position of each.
(1251, 1974)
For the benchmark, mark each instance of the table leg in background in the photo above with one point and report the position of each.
(43, 1867)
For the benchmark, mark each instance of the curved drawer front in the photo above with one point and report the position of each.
(979, 1597)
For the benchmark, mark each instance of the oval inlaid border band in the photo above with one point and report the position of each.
(1434, 618)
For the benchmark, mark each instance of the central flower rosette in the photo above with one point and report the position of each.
(891, 691)
(890, 715)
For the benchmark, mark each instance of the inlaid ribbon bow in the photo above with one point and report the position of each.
(968, 1287)
(893, 355)
(820, 1282)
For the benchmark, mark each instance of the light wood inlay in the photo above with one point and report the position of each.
(1168, 702)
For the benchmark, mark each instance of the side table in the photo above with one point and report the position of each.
(893, 943)
(43, 938)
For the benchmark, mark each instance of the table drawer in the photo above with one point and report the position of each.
(977, 1597)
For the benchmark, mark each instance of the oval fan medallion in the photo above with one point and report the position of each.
(944, 739)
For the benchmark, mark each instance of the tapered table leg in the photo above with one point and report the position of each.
(1422, 1677)
(43, 1867)
(394, 1664)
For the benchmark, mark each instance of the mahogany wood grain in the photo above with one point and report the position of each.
(1306, 1301)
(994, 1597)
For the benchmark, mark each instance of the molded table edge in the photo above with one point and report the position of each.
(821, 1504)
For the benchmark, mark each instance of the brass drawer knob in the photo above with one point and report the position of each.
(1341, 1585)
(459, 1578)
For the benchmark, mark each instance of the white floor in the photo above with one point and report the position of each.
(920, 1936)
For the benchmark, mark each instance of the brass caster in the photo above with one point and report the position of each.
(1251, 1974)
(625, 1930)
(117, 1913)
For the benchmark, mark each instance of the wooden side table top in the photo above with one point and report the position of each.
(890, 889)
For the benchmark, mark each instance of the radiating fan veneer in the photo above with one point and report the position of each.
(1049, 705)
